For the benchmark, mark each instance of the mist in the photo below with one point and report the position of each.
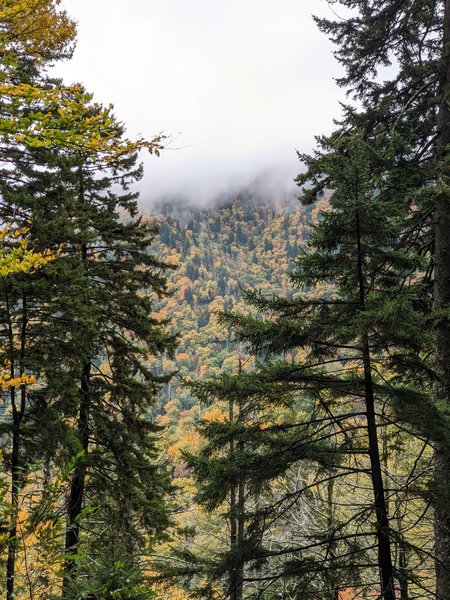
(235, 86)
(202, 184)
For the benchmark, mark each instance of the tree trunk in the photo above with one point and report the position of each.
(16, 467)
(15, 490)
(382, 522)
(333, 581)
(233, 583)
(442, 304)
(403, 568)
(240, 531)
(75, 503)
(237, 508)
(76, 497)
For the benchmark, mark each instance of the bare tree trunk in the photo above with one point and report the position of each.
(18, 410)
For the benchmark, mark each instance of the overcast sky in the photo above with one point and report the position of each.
(237, 84)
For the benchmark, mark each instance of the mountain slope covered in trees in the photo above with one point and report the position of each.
(245, 241)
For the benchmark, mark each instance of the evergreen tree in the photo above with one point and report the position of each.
(355, 247)
(101, 295)
(61, 155)
(25, 50)
(410, 102)
(353, 332)
(225, 447)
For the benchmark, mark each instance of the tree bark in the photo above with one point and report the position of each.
(382, 521)
(18, 410)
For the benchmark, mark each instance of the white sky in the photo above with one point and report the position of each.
(237, 84)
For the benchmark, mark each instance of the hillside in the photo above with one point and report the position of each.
(246, 241)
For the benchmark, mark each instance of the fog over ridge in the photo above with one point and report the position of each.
(236, 86)
(218, 181)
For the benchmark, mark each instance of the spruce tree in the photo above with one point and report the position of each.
(83, 327)
(359, 315)
(61, 155)
(410, 101)
(354, 247)
(25, 50)
(97, 299)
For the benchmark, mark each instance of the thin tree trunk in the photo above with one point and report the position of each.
(77, 488)
(16, 467)
(15, 490)
(233, 520)
(240, 531)
(75, 503)
(240, 508)
(237, 508)
(442, 304)
(403, 567)
(382, 522)
(333, 580)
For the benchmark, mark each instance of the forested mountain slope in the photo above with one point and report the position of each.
(243, 241)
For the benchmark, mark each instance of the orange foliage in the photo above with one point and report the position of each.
(214, 414)
(350, 594)
(203, 370)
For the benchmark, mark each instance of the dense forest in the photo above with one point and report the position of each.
(243, 241)
(243, 400)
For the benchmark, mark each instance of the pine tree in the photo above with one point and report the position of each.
(354, 246)
(83, 327)
(364, 319)
(85, 320)
(25, 49)
(411, 103)
(225, 446)
(98, 299)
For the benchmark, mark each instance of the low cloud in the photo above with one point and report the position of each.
(202, 182)
(236, 85)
